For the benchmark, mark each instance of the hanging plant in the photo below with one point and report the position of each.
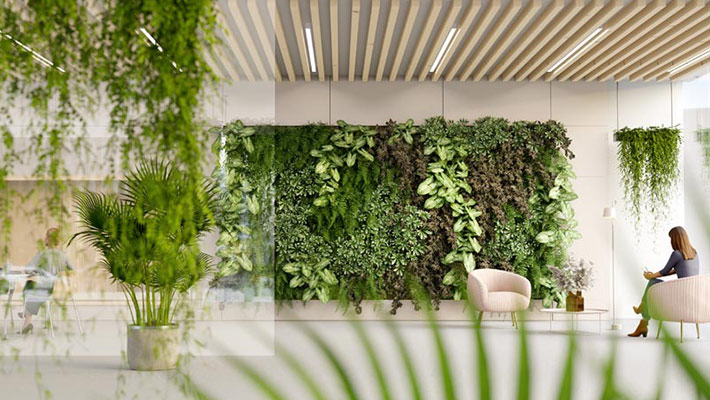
(648, 162)
(58, 53)
(703, 137)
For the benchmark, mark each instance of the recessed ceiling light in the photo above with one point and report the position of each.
(579, 49)
(689, 61)
(311, 54)
(444, 48)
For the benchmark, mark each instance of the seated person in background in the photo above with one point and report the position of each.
(683, 262)
(43, 270)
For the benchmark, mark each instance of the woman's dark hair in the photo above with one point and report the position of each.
(681, 242)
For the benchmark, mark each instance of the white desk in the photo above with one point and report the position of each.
(574, 315)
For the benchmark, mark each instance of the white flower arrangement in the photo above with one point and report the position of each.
(576, 275)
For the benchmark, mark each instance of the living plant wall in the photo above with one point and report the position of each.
(376, 212)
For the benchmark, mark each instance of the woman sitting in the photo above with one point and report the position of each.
(683, 263)
(43, 271)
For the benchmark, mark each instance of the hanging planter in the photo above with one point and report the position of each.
(648, 162)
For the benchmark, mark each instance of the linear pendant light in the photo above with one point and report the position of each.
(311, 52)
(689, 61)
(151, 39)
(444, 48)
(44, 61)
(578, 49)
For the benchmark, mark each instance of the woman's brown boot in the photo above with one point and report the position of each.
(639, 309)
(642, 329)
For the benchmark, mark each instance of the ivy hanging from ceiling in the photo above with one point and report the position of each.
(648, 163)
(60, 60)
(363, 212)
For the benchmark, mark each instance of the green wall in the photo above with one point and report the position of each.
(360, 212)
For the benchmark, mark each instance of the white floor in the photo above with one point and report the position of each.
(640, 362)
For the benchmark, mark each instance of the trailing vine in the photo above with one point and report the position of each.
(65, 62)
(703, 137)
(648, 162)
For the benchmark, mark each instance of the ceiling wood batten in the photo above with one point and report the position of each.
(493, 40)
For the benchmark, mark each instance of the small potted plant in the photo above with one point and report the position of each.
(574, 278)
(148, 238)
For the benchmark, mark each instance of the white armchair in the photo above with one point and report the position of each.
(681, 300)
(492, 290)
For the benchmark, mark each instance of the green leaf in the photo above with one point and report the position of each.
(322, 294)
(469, 262)
(291, 268)
(334, 173)
(426, 187)
(449, 278)
(322, 167)
(433, 202)
(545, 237)
(366, 155)
(459, 225)
(295, 282)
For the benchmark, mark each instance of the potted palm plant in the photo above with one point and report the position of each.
(148, 237)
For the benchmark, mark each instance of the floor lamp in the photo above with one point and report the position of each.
(610, 214)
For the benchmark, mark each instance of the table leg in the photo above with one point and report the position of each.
(8, 310)
(600, 324)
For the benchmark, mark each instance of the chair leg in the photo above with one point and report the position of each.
(681, 331)
(697, 329)
(658, 334)
(78, 319)
(49, 317)
(512, 318)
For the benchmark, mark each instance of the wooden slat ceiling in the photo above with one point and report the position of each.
(507, 40)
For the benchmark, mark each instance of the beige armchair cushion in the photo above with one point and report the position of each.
(493, 290)
(686, 300)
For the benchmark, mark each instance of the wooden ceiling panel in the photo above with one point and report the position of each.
(620, 35)
(493, 34)
(635, 50)
(589, 10)
(488, 39)
(387, 40)
(444, 30)
(423, 38)
(550, 30)
(670, 60)
(619, 18)
(463, 26)
(477, 31)
(511, 33)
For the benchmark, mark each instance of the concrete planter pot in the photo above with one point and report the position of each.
(152, 348)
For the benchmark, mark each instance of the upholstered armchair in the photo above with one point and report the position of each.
(681, 300)
(492, 290)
